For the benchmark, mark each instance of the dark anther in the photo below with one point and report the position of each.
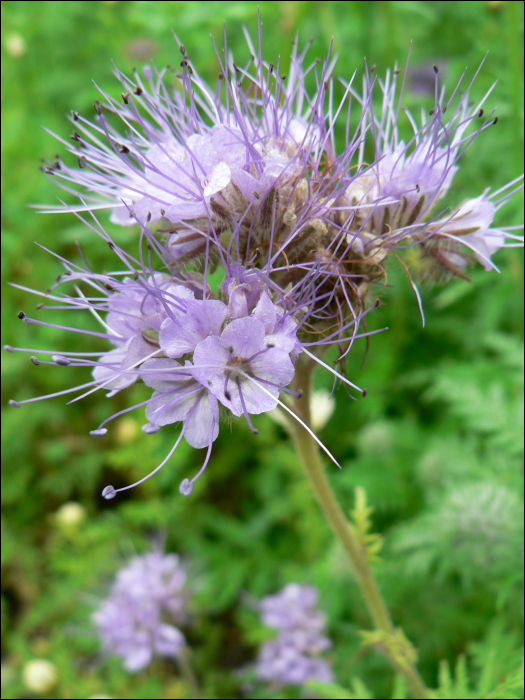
(109, 287)
(300, 394)
(21, 315)
(495, 121)
(98, 108)
(75, 137)
(376, 303)
(40, 306)
(75, 116)
(58, 278)
(138, 91)
(480, 113)
(227, 395)
(270, 345)
(135, 276)
(183, 64)
(444, 109)
(162, 212)
(123, 149)
(364, 392)
(271, 68)
(111, 245)
(148, 218)
(49, 171)
(397, 71)
(82, 162)
(373, 68)
(190, 69)
(436, 69)
(221, 76)
(182, 49)
(125, 97)
(34, 360)
(283, 77)
(432, 111)
(418, 189)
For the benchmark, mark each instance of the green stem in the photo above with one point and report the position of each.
(308, 452)
(187, 673)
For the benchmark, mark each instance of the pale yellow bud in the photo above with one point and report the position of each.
(322, 405)
(70, 516)
(126, 431)
(40, 676)
(15, 45)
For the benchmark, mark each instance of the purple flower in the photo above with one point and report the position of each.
(252, 190)
(292, 658)
(137, 621)
(178, 397)
(241, 369)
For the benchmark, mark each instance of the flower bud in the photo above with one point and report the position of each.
(40, 676)
(70, 516)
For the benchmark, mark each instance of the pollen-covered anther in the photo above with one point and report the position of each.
(100, 432)
(61, 360)
(186, 487)
(109, 492)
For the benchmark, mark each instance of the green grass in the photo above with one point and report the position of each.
(438, 435)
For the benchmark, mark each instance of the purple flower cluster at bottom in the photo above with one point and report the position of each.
(292, 657)
(134, 621)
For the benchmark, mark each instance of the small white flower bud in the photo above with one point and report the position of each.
(126, 431)
(70, 516)
(15, 45)
(322, 405)
(40, 676)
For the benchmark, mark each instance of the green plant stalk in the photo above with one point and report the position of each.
(188, 674)
(308, 452)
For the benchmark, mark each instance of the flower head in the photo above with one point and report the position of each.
(138, 619)
(244, 185)
(293, 657)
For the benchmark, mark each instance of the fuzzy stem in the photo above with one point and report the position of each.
(311, 460)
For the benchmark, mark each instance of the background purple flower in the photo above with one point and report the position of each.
(292, 658)
(137, 621)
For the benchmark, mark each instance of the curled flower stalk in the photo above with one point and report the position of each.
(262, 244)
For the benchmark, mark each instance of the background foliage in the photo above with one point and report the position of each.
(436, 444)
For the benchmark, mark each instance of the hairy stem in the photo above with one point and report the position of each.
(309, 455)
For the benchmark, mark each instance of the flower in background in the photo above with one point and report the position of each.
(138, 620)
(40, 676)
(292, 658)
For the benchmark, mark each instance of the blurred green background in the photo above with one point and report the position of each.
(437, 444)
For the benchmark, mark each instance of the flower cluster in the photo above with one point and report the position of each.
(292, 657)
(135, 622)
(259, 244)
